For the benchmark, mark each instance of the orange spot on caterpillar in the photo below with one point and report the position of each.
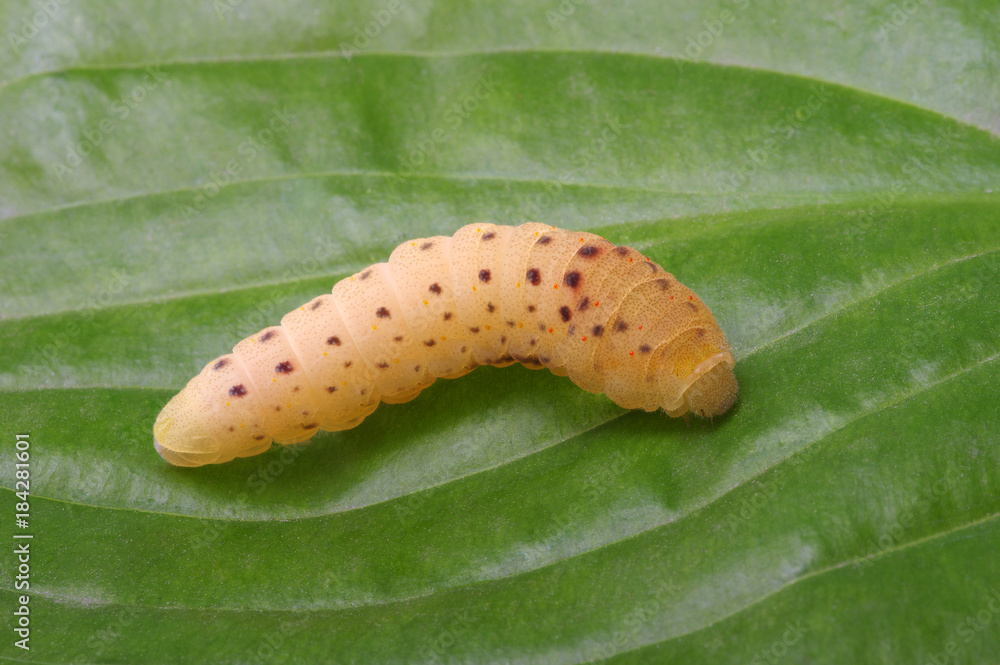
(520, 324)
(227, 403)
(473, 288)
(487, 327)
(374, 327)
(443, 338)
(519, 285)
(631, 353)
(274, 379)
(583, 339)
(555, 286)
(550, 330)
(241, 425)
(324, 353)
(640, 327)
(478, 230)
(597, 303)
(630, 260)
(690, 297)
(413, 244)
(395, 360)
(671, 297)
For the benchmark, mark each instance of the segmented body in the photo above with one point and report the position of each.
(606, 316)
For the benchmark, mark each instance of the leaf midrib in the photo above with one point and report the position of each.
(500, 180)
(338, 54)
(363, 173)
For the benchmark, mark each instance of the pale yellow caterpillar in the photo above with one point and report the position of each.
(605, 316)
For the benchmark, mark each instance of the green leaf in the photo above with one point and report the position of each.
(175, 176)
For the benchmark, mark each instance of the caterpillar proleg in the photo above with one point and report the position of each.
(607, 317)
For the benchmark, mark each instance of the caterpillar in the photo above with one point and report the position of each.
(604, 315)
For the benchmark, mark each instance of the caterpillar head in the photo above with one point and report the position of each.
(695, 375)
(713, 386)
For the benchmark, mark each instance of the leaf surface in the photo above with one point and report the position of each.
(175, 177)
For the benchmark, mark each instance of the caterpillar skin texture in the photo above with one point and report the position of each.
(605, 316)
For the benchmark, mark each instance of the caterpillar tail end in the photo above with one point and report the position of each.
(193, 429)
(171, 456)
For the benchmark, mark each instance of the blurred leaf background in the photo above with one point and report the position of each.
(174, 176)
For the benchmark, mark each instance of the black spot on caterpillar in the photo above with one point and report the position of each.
(457, 302)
